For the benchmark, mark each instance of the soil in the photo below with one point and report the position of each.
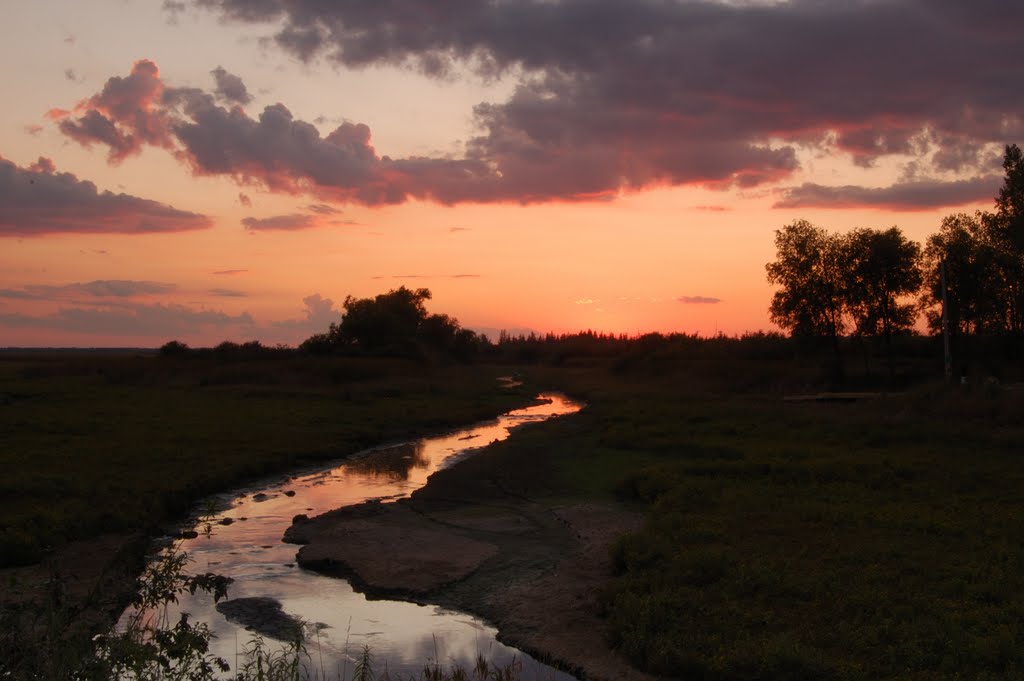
(474, 540)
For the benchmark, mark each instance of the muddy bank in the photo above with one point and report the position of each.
(477, 540)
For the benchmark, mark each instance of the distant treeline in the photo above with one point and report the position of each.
(861, 293)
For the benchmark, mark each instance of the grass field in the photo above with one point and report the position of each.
(93, 443)
(870, 540)
(878, 539)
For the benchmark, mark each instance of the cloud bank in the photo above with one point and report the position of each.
(39, 200)
(612, 96)
(100, 288)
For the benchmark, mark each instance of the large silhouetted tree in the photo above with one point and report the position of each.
(387, 322)
(395, 323)
(809, 273)
(880, 270)
(1007, 231)
(974, 304)
(984, 260)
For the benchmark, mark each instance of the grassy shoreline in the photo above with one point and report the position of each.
(109, 449)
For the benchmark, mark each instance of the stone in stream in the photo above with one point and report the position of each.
(263, 616)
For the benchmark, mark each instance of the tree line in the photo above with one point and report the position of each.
(875, 283)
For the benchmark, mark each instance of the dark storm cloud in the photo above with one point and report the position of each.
(230, 87)
(613, 95)
(904, 196)
(39, 200)
(874, 71)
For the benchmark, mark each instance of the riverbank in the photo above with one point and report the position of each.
(101, 452)
(473, 540)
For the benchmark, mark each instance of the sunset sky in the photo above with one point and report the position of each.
(209, 170)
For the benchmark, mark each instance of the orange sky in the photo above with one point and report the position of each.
(211, 174)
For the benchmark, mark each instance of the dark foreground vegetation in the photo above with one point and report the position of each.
(784, 540)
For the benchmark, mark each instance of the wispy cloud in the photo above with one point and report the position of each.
(100, 288)
(131, 320)
(280, 223)
(227, 293)
(904, 196)
(698, 300)
(429, 276)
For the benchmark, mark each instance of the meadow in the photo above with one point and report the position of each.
(871, 539)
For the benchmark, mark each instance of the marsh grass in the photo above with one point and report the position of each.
(871, 540)
(124, 445)
(97, 444)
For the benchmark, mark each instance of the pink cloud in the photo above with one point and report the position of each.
(39, 200)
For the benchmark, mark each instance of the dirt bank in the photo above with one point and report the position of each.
(476, 540)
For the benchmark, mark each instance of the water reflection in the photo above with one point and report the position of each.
(391, 463)
(250, 551)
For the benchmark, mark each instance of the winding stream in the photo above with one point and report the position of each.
(248, 548)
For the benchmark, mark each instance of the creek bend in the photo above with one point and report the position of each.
(245, 543)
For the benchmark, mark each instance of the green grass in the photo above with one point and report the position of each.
(93, 444)
(875, 540)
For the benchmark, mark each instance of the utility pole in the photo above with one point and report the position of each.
(945, 322)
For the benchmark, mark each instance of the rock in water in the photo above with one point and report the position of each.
(264, 616)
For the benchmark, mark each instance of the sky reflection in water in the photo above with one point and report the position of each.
(405, 635)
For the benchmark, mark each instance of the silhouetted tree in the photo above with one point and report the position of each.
(879, 269)
(174, 348)
(395, 323)
(809, 271)
(973, 278)
(389, 322)
(984, 256)
(1006, 229)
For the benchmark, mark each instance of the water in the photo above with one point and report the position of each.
(250, 551)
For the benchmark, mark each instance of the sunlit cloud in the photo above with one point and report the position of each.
(320, 313)
(229, 272)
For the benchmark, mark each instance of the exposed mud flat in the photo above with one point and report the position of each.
(534, 571)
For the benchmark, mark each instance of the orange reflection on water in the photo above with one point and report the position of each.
(248, 548)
